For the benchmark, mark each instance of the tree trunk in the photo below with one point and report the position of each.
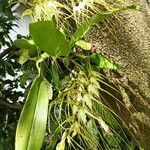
(125, 38)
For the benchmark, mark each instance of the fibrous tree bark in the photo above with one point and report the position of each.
(125, 38)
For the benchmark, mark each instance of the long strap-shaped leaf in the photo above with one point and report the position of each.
(99, 17)
(32, 123)
(86, 26)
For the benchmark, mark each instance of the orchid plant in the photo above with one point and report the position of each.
(65, 101)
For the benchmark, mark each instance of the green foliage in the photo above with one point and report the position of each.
(101, 61)
(49, 39)
(82, 116)
(76, 111)
(7, 19)
(29, 49)
(60, 67)
(84, 45)
(31, 126)
(86, 26)
(55, 74)
(99, 17)
(25, 44)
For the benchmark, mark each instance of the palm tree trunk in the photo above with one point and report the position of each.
(125, 38)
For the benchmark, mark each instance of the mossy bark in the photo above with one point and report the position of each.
(125, 38)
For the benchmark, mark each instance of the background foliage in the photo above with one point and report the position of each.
(79, 106)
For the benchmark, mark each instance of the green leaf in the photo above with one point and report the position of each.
(79, 55)
(24, 78)
(84, 45)
(55, 74)
(66, 62)
(86, 26)
(102, 62)
(49, 39)
(54, 140)
(24, 56)
(32, 123)
(24, 43)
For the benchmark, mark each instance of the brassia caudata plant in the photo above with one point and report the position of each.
(65, 104)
